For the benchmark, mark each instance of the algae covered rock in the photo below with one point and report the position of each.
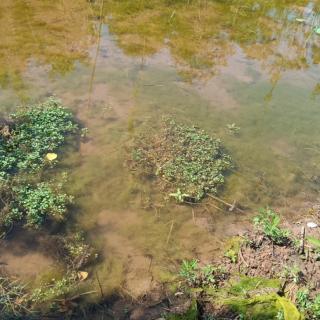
(257, 298)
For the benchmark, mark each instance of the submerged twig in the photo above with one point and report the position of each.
(169, 235)
(231, 206)
(100, 287)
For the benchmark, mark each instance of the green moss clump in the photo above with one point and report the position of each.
(262, 307)
(188, 161)
(248, 285)
(255, 298)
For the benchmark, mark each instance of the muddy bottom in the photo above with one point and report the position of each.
(23, 254)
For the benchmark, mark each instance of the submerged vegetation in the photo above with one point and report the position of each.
(33, 204)
(30, 134)
(189, 162)
(25, 141)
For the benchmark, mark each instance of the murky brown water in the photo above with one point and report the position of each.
(122, 64)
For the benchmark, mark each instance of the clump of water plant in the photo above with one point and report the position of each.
(31, 133)
(54, 289)
(74, 250)
(189, 162)
(268, 221)
(33, 204)
(28, 142)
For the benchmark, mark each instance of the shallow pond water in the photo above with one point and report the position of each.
(121, 66)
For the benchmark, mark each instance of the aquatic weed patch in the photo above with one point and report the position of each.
(26, 140)
(33, 204)
(31, 133)
(189, 162)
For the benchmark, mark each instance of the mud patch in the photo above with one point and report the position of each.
(24, 256)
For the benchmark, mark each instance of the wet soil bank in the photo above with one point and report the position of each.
(260, 271)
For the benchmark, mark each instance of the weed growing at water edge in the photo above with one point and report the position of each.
(315, 246)
(232, 255)
(293, 273)
(268, 221)
(188, 270)
(309, 307)
(196, 276)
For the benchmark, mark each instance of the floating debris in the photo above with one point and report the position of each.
(312, 225)
(82, 275)
(51, 156)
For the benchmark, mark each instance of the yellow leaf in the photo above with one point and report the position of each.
(82, 275)
(51, 156)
